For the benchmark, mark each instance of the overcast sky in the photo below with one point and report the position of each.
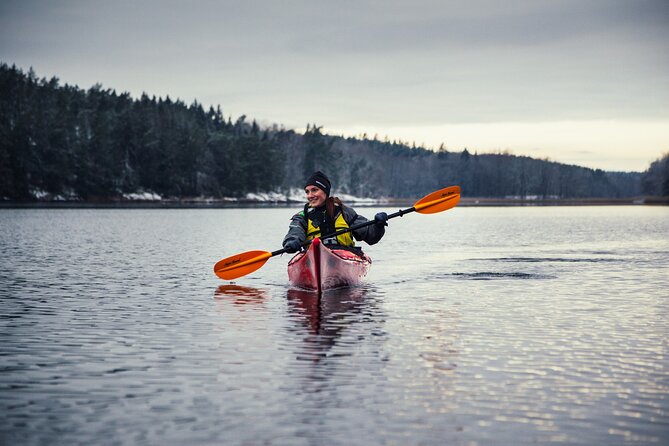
(583, 82)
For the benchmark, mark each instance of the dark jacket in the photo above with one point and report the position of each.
(298, 225)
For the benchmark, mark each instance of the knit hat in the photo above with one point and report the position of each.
(319, 180)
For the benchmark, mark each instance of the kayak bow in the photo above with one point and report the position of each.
(320, 268)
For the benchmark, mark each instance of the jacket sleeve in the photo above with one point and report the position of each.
(297, 229)
(370, 234)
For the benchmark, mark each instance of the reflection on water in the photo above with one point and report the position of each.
(319, 320)
(326, 329)
(240, 295)
(324, 316)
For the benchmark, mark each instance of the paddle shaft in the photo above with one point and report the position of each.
(399, 213)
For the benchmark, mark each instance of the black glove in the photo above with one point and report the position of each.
(381, 218)
(292, 245)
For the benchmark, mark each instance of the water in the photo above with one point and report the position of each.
(481, 326)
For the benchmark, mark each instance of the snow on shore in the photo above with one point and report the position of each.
(294, 195)
(297, 196)
(142, 196)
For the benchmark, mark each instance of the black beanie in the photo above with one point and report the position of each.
(319, 180)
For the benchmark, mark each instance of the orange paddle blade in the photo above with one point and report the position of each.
(438, 201)
(241, 264)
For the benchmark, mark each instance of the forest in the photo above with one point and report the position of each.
(60, 142)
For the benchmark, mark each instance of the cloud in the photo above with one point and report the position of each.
(362, 63)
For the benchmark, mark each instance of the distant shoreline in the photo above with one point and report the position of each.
(227, 204)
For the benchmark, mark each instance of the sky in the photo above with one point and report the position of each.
(582, 82)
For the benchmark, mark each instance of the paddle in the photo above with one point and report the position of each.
(245, 263)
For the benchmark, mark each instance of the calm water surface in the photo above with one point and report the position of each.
(475, 326)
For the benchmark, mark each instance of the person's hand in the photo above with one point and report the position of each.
(292, 246)
(381, 219)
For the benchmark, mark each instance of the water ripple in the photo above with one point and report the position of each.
(489, 275)
(551, 259)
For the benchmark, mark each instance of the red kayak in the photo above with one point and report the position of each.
(320, 268)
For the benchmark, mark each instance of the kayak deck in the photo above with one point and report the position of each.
(320, 268)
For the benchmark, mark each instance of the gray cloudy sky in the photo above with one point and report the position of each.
(582, 81)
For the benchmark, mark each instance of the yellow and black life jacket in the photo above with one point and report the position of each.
(345, 239)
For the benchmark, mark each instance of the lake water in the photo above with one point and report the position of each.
(515, 325)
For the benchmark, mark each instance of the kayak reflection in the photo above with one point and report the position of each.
(325, 316)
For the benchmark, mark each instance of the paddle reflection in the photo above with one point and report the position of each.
(325, 317)
(240, 295)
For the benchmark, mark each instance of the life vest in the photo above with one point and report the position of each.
(345, 239)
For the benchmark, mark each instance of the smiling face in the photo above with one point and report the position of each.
(315, 196)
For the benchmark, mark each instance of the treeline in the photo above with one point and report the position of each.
(655, 180)
(61, 141)
(98, 144)
(393, 168)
